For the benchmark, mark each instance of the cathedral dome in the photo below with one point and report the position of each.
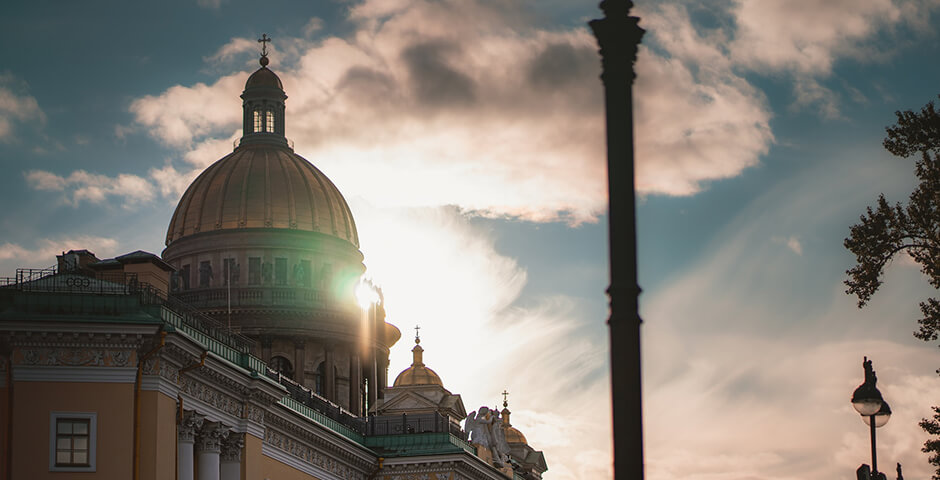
(417, 373)
(263, 183)
(262, 186)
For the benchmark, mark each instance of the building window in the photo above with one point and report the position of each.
(280, 271)
(254, 270)
(257, 121)
(282, 365)
(269, 121)
(72, 441)
(205, 273)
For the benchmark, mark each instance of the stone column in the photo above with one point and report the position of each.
(329, 385)
(382, 375)
(230, 465)
(266, 349)
(209, 445)
(186, 435)
(299, 361)
(618, 36)
(354, 384)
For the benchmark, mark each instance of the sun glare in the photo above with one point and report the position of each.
(366, 294)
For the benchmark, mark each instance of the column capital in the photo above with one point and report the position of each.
(210, 437)
(618, 36)
(189, 424)
(232, 447)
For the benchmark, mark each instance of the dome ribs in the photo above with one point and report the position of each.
(311, 204)
(268, 221)
(262, 187)
(323, 188)
(289, 184)
(243, 204)
(226, 193)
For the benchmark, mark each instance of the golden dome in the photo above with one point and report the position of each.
(515, 436)
(262, 186)
(417, 373)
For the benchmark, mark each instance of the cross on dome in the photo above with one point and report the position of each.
(505, 401)
(264, 44)
(417, 336)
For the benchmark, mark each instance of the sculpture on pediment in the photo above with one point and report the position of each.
(486, 430)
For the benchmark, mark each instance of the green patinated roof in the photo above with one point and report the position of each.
(417, 444)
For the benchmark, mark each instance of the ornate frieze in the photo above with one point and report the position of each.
(76, 357)
(311, 455)
(214, 397)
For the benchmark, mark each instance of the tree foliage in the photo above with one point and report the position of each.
(887, 231)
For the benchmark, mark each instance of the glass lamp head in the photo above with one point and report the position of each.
(867, 399)
(881, 417)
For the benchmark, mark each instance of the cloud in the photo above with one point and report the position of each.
(44, 250)
(82, 186)
(808, 36)
(180, 115)
(313, 26)
(696, 119)
(234, 48)
(438, 270)
(16, 107)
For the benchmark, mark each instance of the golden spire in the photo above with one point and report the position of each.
(505, 412)
(417, 351)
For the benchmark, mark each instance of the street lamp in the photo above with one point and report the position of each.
(871, 406)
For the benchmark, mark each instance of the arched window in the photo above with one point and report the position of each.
(269, 121)
(257, 121)
(282, 365)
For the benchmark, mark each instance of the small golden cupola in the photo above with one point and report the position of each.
(513, 435)
(418, 373)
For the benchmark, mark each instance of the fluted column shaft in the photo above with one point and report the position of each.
(230, 465)
(209, 446)
(186, 436)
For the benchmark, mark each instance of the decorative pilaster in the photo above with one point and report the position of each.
(186, 435)
(230, 459)
(618, 36)
(355, 384)
(299, 361)
(329, 386)
(266, 348)
(209, 446)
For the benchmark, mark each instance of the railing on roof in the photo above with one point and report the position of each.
(415, 423)
(326, 408)
(52, 281)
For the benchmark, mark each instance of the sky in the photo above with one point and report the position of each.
(467, 136)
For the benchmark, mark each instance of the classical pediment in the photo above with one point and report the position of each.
(405, 402)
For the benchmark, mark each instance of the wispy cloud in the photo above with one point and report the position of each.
(16, 107)
(42, 251)
(82, 186)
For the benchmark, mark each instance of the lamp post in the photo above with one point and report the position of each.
(869, 403)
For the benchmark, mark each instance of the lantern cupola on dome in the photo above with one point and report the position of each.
(263, 104)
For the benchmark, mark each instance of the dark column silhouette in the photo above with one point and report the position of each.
(618, 35)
